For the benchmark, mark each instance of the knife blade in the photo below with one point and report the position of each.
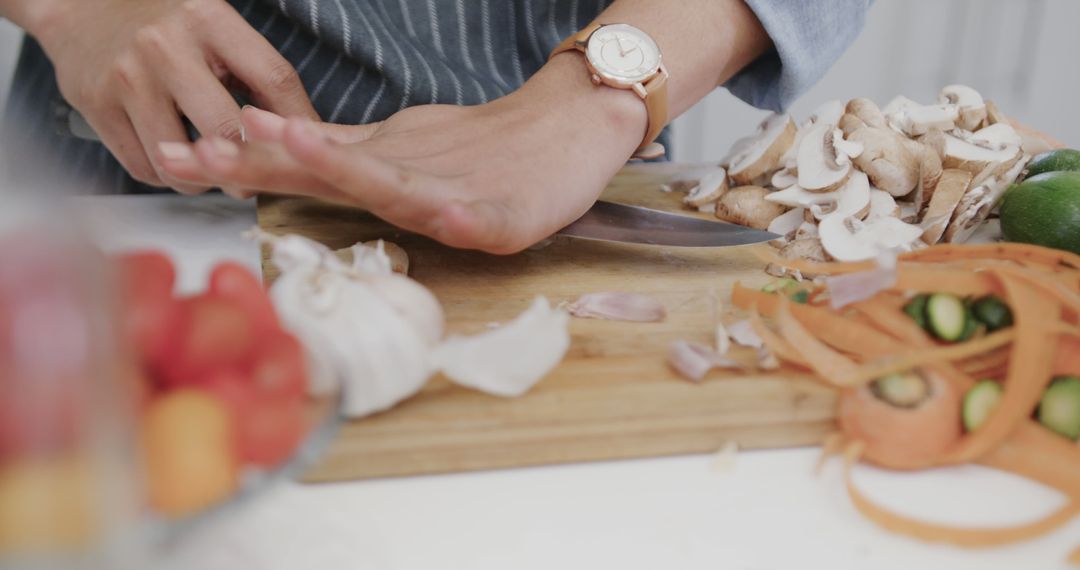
(608, 221)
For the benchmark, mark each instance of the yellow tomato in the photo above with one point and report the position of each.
(190, 459)
(47, 503)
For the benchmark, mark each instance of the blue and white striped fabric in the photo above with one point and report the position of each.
(363, 60)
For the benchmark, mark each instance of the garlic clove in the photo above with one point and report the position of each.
(693, 361)
(618, 306)
(509, 360)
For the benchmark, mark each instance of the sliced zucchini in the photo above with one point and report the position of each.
(979, 401)
(916, 309)
(801, 296)
(992, 312)
(780, 285)
(947, 318)
(1059, 409)
(902, 389)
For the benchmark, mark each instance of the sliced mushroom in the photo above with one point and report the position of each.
(974, 156)
(784, 178)
(824, 159)
(709, 190)
(887, 160)
(908, 212)
(761, 154)
(852, 199)
(866, 111)
(796, 197)
(930, 166)
(915, 121)
(978, 202)
(998, 134)
(994, 115)
(847, 239)
(786, 225)
(807, 230)
(809, 249)
(898, 103)
(746, 205)
(882, 204)
(969, 103)
(954, 184)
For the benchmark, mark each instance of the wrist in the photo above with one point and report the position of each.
(30, 15)
(618, 117)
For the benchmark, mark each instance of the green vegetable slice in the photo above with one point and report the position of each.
(902, 389)
(979, 401)
(947, 318)
(992, 312)
(1059, 409)
(916, 309)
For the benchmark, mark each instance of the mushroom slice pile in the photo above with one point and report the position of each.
(855, 180)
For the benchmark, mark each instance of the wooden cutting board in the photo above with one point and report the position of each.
(612, 397)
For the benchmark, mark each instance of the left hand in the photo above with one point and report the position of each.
(497, 177)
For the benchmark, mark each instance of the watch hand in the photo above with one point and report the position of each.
(618, 42)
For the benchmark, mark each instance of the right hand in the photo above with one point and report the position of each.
(133, 68)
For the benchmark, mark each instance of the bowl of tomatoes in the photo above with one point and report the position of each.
(222, 403)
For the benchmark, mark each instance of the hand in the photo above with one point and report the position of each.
(496, 177)
(134, 68)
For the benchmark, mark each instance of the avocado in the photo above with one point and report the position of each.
(1060, 160)
(1044, 210)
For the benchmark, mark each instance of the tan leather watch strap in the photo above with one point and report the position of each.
(652, 92)
(656, 102)
(576, 41)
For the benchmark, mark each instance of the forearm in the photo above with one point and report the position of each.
(704, 42)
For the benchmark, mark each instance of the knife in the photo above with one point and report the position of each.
(607, 221)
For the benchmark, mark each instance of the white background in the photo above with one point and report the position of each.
(1021, 53)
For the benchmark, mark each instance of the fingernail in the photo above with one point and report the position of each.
(243, 133)
(225, 148)
(175, 151)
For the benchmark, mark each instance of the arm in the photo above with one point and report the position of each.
(496, 177)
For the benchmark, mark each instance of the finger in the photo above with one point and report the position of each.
(155, 121)
(119, 137)
(273, 81)
(261, 167)
(203, 99)
(376, 183)
(260, 125)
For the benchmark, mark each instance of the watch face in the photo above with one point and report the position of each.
(623, 54)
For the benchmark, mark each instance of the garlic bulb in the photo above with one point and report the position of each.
(378, 335)
(355, 335)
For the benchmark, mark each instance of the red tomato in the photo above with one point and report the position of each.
(279, 368)
(233, 387)
(210, 334)
(230, 280)
(271, 430)
(268, 428)
(146, 284)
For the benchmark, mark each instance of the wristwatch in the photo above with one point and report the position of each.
(624, 57)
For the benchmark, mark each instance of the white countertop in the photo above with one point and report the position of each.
(767, 511)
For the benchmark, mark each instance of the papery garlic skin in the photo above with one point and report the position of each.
(509, 360)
